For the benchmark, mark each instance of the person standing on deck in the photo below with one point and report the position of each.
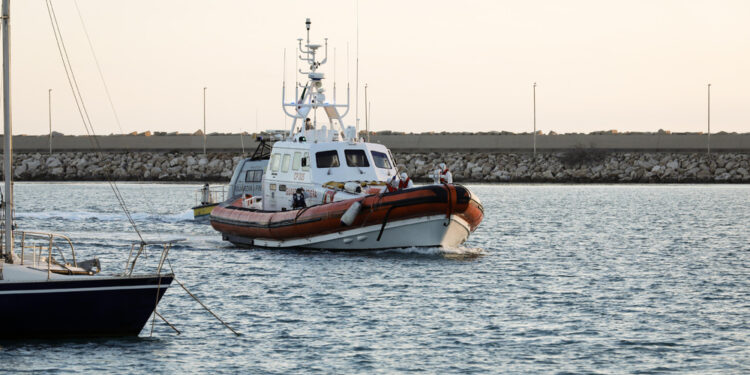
(392, 184)
(405, 182)
(298, 199)
(206, 195)
(446, 177)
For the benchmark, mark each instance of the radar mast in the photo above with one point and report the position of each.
(305, 104)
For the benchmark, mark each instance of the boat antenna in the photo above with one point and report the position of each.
(356, 95)
(347, 63)
(334, 74)
(283, 89)
(369, 114)
(8, 132)
(367, 123)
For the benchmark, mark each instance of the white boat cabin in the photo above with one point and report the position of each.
(319, 167)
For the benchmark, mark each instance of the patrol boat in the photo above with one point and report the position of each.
(325, 188)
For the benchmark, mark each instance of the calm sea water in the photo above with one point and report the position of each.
(557, 279)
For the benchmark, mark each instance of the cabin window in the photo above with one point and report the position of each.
(297, 161)
(285, 163)
(272, 187)
(381, 160)
(253, 176)
(282, 187)
(327, 159)
(274, 163)
(356, 158)
(306, 164)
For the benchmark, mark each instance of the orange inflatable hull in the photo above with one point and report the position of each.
(453, 201)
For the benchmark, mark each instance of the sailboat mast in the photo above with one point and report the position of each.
(8, 133)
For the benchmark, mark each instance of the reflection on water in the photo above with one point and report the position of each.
(558, 278)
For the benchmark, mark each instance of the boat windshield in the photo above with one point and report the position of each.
(327, 159)
(356, 158)
(274, 164)
(381, 160)
(253, 176)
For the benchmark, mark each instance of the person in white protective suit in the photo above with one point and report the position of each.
(405, 182)
(392, 184)
(206, 195)
(446, 177)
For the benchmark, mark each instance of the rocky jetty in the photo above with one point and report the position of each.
(584, 166)
(131, 166)
(580, 165)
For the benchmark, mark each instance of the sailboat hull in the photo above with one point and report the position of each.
(118, 306)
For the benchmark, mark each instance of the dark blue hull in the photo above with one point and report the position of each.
(79, 308)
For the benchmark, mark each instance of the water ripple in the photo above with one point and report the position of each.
(558, 279)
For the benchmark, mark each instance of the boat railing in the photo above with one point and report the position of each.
(251, 202)
(215, 194)
(142, 246)
(40, 250)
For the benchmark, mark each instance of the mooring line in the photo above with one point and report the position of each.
(199, 301)
(168, 323)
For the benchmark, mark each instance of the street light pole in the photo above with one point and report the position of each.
(708, 138)
(204, 121)
(49, 102)
(534, 120)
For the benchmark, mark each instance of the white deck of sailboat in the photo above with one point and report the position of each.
(14, 273)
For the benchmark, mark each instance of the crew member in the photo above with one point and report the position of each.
(206, 195)
(405, 182)
(308, 124)
(446, 177)
(392, 184)
(298, 199)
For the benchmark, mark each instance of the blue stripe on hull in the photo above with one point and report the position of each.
(85, 313)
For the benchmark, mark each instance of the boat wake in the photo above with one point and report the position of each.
(103, 216)
(458, 252)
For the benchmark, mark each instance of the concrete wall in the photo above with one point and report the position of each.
(410, 142)
(521, 143)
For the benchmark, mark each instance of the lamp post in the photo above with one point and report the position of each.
(534, 96)
(204, 121)
(708, 137)
(49, 102)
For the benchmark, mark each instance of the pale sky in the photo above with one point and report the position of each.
(430, 65)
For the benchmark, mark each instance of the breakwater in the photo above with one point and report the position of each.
(577, 165)
(400, 142)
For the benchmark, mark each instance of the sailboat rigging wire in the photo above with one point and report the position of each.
(85, 118)
(106, 91)
(98, 67)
